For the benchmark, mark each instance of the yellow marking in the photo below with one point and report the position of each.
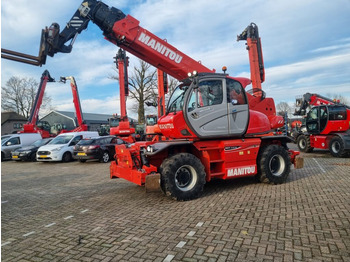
(241, 153)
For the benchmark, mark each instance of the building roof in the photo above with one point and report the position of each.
(91, 117)
(6, 116)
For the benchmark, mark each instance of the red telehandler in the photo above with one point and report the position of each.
(151, 121)
(119, 124)
(326, 125)
(217, 130)
(33, 126)
(76, 101)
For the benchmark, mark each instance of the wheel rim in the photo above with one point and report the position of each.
(277, 165)
(302, 143)
(336, 147)
(185, 178)
(105, 157)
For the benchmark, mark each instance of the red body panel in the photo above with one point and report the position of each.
(319, 141)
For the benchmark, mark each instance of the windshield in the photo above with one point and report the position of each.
(61, 140)
(40, 142)
(176, 100)
(114, 122)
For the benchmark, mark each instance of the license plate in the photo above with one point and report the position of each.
(81, 154)
(43, 156)
(14, 156)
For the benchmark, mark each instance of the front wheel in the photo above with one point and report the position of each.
(67, 157)
(182, 177)
(303, 143)
(105, 157)
(273, 165)
(336, 147)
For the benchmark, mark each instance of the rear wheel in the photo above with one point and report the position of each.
(182, 177)
(336, 147)
(273, 165)
(105, 157)
(67, 157)
(303, 143)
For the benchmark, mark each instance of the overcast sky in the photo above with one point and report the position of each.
(306, 44)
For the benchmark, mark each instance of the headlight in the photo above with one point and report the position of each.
(26, 152)
(57, 149)
(150, 149)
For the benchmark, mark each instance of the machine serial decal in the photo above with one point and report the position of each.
(160, 48)
(241, 171)
(166, 126)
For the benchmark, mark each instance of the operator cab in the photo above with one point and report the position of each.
(213, 105)
(324, 119)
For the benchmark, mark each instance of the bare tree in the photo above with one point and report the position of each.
(283, 108)
(339, 97)
(19, 94)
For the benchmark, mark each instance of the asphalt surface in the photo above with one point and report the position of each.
(75, 212)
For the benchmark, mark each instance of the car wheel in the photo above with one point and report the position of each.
(105, 157)
(2, 156)
(67, 157)
(182, 177)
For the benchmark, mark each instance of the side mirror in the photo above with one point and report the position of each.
(8, 143)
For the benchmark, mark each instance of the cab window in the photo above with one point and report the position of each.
(337, 113)
(210, 93)
(235, 92)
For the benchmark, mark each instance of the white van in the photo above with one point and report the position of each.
(13, 141)
(61, 147)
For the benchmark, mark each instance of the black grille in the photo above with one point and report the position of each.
(44, 152)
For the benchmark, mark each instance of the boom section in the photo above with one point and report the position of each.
(124, 31)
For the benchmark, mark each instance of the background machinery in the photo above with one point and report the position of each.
(81, 126)
(33, 125)
(119, 124)
(216, 129)
(326, 125)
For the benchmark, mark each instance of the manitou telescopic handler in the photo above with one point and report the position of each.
(217, 129)
(326, 125)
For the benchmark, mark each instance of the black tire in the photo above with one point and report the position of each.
(104, 157)
(67, 157)
(273, 165)
(33, 157)
(337, 147)
(303, 143)
(2, 156)
(182, 177)
(82, 160)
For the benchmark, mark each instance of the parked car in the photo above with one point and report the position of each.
(100, 148)
(28, 153)
(61, 147)
(11, 142)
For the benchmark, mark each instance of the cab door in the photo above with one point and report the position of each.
(237, 108)
(206, 109)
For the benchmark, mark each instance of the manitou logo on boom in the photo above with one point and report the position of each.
(241, 171)
(160, 48)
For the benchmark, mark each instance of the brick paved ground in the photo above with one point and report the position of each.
(74, 212)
